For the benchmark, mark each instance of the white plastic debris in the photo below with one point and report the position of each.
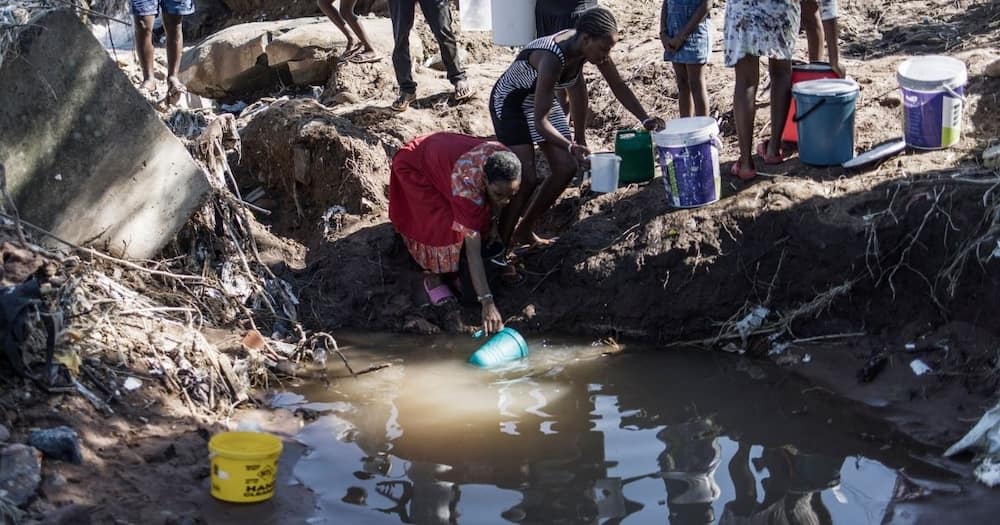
(778, 348)
(328, 216)
(58, 176)
(910, 347)
(996, 251)
(807, 358)
(988, 472)
(984, 437)
(919, 367)
(752, 321)
(132, 384)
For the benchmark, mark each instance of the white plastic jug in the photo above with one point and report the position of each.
(513, 22)
(604, 172)
(475, 15)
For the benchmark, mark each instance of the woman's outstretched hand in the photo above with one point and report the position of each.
(654, 124)
(492, 321)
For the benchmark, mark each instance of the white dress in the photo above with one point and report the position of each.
(763, 28)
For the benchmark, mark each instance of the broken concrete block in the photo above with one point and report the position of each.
(991, 157)
(249, 57)
(86, 157)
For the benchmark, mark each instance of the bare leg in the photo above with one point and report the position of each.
(347, 12)
(781, 97)
(327, 7)
(144, 47)
(699, 93)
(744, 97)
(683, 89)
(529, 181)
(175, 46)
(814, 29)
(563, 168)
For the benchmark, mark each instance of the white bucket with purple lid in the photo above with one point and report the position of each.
(687, 151)
(933, 99)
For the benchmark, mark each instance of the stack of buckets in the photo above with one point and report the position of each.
(687, 151)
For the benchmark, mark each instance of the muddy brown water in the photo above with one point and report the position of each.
(571, 435)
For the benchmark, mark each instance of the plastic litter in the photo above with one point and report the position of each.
(753, 321)
(132, 383)
(919, 367)
(984, 439)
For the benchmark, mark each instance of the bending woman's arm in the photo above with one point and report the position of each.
(549, 68)
(625, 95)
(492, 321)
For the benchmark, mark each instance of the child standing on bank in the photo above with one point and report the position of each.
(686, 32)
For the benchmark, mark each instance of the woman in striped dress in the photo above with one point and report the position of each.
(525, 112)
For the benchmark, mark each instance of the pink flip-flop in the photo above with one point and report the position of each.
(439, 295)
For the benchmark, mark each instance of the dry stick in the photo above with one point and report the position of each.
(828, 337)
(109, 258)
(544, 277)
(336, 349)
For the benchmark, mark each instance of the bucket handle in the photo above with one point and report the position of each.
(798, 118)
(953, 93)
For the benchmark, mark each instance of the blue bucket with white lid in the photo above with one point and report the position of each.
(933, 89)
(824, 116)
(687, 150)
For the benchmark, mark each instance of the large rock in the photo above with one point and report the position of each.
(249, 57)
(86, 157)
(20, 473)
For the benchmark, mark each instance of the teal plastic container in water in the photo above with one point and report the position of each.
(824, 114)
(505, 345)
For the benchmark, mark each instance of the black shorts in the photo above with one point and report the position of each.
(515, 125)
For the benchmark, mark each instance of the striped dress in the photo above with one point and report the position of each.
(512, 102)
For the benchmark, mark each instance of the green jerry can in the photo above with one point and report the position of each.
(635, 147)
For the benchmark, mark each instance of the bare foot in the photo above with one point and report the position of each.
(175, 90)
(148, 87)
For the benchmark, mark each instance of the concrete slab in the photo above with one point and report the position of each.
(86, 156)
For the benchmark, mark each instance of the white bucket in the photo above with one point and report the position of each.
(687, 150)
(513, 22)
(933, 99)
(474, 15)
(604, 172)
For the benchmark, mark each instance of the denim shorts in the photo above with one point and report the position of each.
(698, 46)
(153, 7)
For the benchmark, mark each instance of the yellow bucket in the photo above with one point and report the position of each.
(244, 466)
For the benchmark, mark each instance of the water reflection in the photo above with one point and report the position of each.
(572, 437)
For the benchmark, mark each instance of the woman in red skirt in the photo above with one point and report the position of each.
(446, 192)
